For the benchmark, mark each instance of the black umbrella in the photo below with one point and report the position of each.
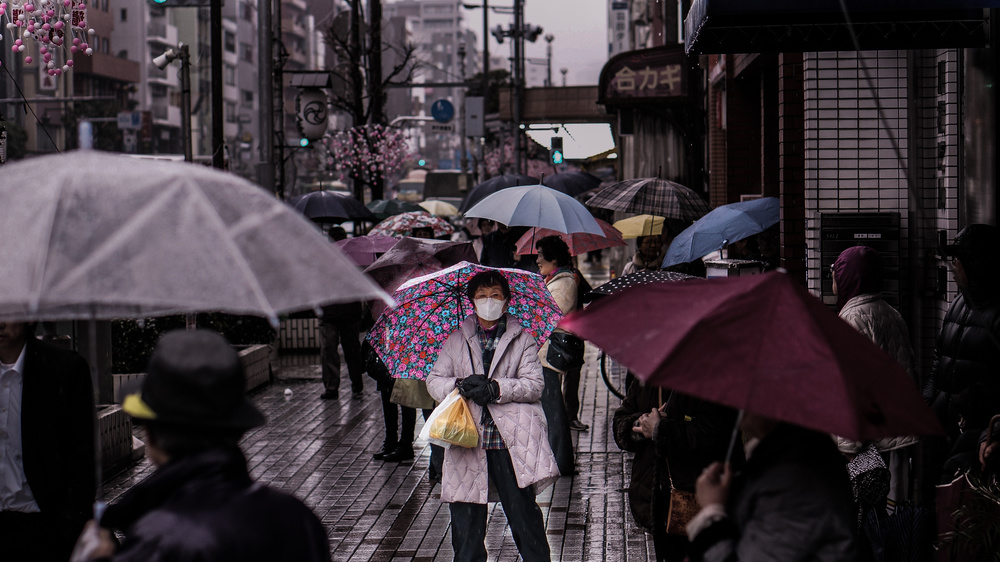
(644, 277)
(572, 183)
(329, 206)
(493, 185)
(385, 208)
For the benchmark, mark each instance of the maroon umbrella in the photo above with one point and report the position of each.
(413, 257)
(364, 250)
(762, 344)
(578, 242)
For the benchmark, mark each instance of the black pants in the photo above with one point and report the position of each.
(571, 393)
(468, 520)
(390, 414)
(669, 548)
(437, 452)
(348, 335)
(33, 537)
(558, 423)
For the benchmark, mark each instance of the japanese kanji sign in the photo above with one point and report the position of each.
(659, 73)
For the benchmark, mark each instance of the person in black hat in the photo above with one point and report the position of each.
(201, 503)
(968, 346)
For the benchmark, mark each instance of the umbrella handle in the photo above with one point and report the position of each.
(732, 438)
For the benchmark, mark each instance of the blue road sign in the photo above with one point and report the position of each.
(442, 111)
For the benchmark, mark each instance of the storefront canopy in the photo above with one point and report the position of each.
(738, 26)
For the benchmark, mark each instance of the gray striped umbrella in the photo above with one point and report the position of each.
(652, 196)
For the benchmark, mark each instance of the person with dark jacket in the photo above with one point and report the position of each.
(341, 325)
(968, 346)
(201, 503)
(47, 487)
(661, 428)
(791, 502)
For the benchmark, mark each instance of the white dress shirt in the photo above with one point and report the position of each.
(15, 494)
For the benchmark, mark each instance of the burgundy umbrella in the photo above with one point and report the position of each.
(413, 257)
(364, 250)
(762, 344)
(578, 242)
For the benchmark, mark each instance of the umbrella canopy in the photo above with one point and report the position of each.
(102, 236)
(760, 343)
(364, 250)
(723, 225)
(413, 257)
(640, 225)
(439, 208)
(330, 206)
(409, 337)
(493, 185)
(651, 196)
(385, 208)
(637, 279)
(578, 242)
(405, 223)
(539, 206)
(572, 183)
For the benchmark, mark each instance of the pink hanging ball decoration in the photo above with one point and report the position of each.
(67, 3)
(73, 49)
(69, 63)
(13, 49)
(58, 25)
(76, 40)
(27, 60)
(84, 46)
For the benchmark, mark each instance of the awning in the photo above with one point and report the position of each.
(739, 26)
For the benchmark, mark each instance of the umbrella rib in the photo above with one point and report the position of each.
(43, 259)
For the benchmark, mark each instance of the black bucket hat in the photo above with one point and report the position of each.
(975, 242)
(195, 379)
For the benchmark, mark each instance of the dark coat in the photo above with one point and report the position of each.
(968, 352)
(791, 502)
(694, 434)
(207, 508)
(57, 437)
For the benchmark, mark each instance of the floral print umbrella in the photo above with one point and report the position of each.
(429, 308)
(403, 224)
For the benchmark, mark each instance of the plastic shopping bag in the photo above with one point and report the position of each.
(451, 423)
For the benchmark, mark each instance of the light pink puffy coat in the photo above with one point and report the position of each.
(518, 415)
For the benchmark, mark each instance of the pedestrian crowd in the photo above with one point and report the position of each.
(707, 482)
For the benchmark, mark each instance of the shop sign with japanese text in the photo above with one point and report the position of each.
(659, 73)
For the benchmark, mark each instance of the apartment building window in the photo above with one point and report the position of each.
(105, 46)
(124, 14)
(247, 52)
(247, 96)
(229, 72)
(229, 41)
(247, 10)
(230, 112)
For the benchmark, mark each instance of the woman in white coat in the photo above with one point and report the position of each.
(494, 364)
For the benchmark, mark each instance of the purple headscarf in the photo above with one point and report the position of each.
(857, 271)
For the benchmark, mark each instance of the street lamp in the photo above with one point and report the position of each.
(548, 50)
(161, 62)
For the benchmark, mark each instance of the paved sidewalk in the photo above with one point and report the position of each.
(321, 451)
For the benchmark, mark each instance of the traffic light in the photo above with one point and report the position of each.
(421, 162)
(556, 152)
(303, 142)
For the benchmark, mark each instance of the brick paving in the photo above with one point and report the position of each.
(321, 451)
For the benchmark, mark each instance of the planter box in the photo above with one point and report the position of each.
(115, 429)
(257, 364)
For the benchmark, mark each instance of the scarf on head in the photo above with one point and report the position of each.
(857, 271)
(563, 269)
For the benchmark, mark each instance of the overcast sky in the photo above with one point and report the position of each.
(580, 28)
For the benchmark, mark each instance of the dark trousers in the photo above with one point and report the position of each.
(33, 537)
(571, 393)
(437, 452)
(669, 548)
(558, 423)
(348, 336)
(468, 520)
(390, 414)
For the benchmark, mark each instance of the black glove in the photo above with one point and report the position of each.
(479, 389)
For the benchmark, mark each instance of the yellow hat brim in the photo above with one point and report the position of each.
(135, 407)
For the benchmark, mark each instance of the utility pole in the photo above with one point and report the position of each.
(375, 90)
(518, 38)
(548, 67)
(265, 98)
(218, 142)
(185, 56)
(461, 117)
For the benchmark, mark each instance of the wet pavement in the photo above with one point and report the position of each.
(321, 451)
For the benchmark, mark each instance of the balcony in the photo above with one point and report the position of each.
(298, 6)
(158, 32)
(297, 56)
(166, 115)
(294, 26)
(166, 77)
(107, 66)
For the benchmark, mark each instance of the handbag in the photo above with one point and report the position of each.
(411, 393)
(565, 351)
(683, 506)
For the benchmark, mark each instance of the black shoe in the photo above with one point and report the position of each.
(328, 395)
(386, 449)
(577, 425)
(402, 453)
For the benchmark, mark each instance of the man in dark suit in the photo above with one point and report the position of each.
(47, 471)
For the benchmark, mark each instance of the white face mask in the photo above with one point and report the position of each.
(490, 309)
